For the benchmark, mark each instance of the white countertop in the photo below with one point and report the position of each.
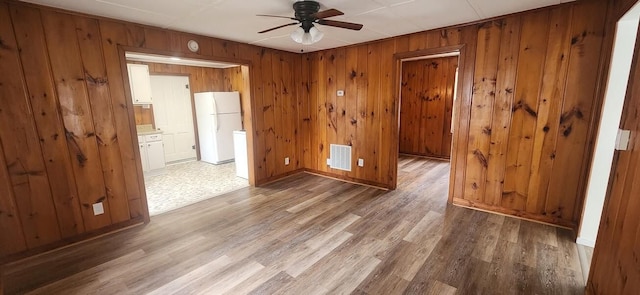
(146, 129)
(150, 132)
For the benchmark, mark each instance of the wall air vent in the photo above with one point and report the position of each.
(340, 157)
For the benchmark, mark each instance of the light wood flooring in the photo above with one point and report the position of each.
(311, 235)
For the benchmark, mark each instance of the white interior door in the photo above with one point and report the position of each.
(173, 115)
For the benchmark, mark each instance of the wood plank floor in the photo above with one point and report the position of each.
(312, 235)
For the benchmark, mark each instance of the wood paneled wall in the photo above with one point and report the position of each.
(274, 90)
(67, 130)
(530, 130)
(615, 268)
(200, 79)
(620, 7)
(426, 103)
(362, 118)
(144, 115)
(237, 79)
(527, 97)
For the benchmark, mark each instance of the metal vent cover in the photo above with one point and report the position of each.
(340, 157)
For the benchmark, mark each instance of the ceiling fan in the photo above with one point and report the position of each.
(307, 13)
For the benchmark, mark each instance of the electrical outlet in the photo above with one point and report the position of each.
(329, 162)
(286, 161)
(98, 209)
(340, 93)
(360, 162)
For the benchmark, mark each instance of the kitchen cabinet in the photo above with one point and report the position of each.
(140, 83)
(151, 153)
(155, 152)
(144, 157)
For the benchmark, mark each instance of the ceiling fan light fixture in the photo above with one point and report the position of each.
(298, 35)
(307, 38)
(316, 35)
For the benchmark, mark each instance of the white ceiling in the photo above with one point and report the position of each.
(236, 20)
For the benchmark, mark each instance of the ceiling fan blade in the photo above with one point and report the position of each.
(327, 13)
(339, 24)
(282, 26)
(278, 16)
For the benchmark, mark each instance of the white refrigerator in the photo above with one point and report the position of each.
(217, 116)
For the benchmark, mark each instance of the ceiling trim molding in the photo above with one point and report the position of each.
(187, 55)
(174, 60)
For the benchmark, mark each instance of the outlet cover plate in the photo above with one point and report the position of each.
(361, 162)
(98, 209)
(622, 140)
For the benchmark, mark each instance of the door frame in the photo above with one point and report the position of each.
(596, 186)
(247, 112)
(461, 99)
(455, 92)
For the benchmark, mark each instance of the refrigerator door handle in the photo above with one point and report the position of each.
(215, 113)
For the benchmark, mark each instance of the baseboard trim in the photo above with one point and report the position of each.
(515, 214)
(268, 180)
(176, 162)
(444, 159)
(585, 261)
(82, 238)
(586, 242)
(273, 179)
(348, 179)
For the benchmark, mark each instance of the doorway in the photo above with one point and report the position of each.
(427, 93)
(168, 128)
(427, 87)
